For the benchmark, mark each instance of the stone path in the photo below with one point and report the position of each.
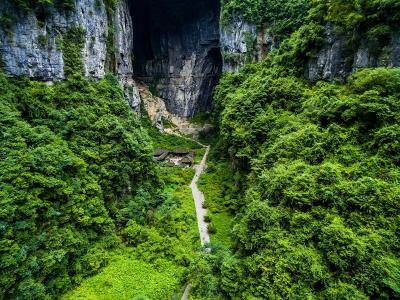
(199, 199)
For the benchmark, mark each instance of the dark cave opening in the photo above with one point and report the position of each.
(177, 51)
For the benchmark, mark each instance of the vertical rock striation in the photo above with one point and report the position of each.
(243, 42)
(337, 59)
(31, 45)
(177, 51)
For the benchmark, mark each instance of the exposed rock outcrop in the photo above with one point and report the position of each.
(337, 59)
(123, 40)
(177, 51)
(168, 122)
(243, 42)
(31, 46)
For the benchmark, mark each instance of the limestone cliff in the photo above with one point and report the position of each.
(177, 51)
(177, 47)
(243, 42)
(31, 45)
(338, 58)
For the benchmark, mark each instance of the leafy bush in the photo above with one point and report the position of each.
(282, 17)
(27, 5)
(320, 216)
(211, 228)
(73, 160)
(207, 218)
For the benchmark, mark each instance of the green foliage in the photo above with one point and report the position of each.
(211, 228)
(110, 46)
(356, 14)
(127, 277)
(111, 60)
(27, 5)
(282, 17)
(171, 141)
(232, 57)
(161, 248)
(321, 213)
(73, 161)
(71, 44)
(221, 187)
(300, 26)
(43, 41)
(7, 23)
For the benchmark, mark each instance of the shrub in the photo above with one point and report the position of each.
(207, 219)
(211, 228)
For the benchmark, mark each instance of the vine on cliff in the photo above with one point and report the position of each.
(71, 44)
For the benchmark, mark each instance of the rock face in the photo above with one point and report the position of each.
(243, 42)
(337, 60)
(177, 51)
(177, 47)
(30, 46)
(123, 40)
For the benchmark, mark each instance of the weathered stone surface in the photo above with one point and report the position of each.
(30, 47)
(337, 60)
(123, 40)
(332, 60)
(243, 42)
(177, 51)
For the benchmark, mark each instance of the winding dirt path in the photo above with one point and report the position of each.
(199, 199)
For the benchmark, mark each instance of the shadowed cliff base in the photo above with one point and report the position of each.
(177, 52)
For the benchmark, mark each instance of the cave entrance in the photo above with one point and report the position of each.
(177, 51)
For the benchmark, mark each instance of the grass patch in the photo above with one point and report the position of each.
(177, 181)
(126, 277)
(168, 141)
(222, 222)
(132, 272)
(172, 142)
(200, 118)
(217, 184)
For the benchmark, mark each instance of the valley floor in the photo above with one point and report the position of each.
(130, 276)
(127, 277)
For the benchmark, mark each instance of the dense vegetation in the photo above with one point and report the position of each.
(314, 187)
(154, 266)
(76, 165)
(281, 17)
(319, 215)
(27, 5)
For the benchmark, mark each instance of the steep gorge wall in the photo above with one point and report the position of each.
(243, 42)
(32, 43)
(178, 47)
(177, 51)
(338, 58)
